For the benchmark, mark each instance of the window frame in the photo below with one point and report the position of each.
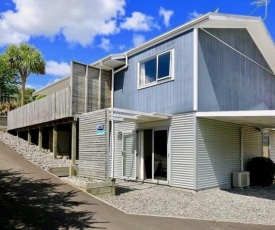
(158, 80)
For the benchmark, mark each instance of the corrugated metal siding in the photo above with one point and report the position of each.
(227, 80)
(171, 97)
(92, 147)
(120, 127)
(218, 152)
(252, 144)
(182, 151)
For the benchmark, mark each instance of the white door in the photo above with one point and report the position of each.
(129, 156)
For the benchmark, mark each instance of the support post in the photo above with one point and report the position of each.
(40, 139)
(29, 137)
(73, 152)
(55, 141)
(107, 144)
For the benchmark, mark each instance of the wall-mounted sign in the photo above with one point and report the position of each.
(100, 129)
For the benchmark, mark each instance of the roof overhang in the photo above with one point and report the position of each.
(111, 62)
(254, 26)
(135, 116)
(54, 87)
(259, 119)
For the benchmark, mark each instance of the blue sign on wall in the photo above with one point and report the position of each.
(100, 129)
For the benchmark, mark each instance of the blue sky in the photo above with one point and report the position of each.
(87, 30)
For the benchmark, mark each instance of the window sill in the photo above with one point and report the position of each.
(158, 82)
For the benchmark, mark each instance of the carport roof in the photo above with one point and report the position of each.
(260, 118)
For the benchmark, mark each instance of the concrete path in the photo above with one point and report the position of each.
(31, 198)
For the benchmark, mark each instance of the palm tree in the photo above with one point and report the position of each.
(26, 60)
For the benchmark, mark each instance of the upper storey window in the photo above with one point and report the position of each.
(156, 69)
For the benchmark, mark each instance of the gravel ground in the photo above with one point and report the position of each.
(250, 205)
(43, 160)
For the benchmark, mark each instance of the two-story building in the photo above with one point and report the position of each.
(185, 109)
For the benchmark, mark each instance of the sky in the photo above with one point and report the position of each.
(88, 30)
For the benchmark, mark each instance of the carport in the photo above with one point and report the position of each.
(263, 120)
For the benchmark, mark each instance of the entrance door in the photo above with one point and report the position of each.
(160, 155)
(129, 156)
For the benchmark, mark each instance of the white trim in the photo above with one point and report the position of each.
(195, 69)
(158, 80)
(195, 153)
(252, 113)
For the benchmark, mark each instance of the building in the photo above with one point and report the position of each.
(185, 109)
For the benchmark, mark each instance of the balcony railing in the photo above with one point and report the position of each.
(52, 107)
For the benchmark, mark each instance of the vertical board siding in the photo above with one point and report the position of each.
(78, 88)
(227, 80)
(106, 85)
(92, 147)
(92, 89)
(85, 88)
(252, 145)
(54, 106)
(182, 154)
(118, 161)
(171, 97)
(218, 152)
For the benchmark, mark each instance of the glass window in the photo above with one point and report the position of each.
(155, 69)
(148, 71)
(164, 65)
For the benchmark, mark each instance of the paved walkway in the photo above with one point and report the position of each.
(31, 198)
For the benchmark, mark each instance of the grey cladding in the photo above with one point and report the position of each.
(228, 80)
(169, 97)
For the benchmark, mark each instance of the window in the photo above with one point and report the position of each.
(155, 69)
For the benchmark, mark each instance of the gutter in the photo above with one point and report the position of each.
(112, 106)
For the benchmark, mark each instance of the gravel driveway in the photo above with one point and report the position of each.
(250, 205)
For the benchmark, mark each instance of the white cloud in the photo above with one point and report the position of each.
(138, 39)
(78, 21)
(166, 14)
(121, 47)
(139, 22)
(194, 15)
(105, 44)
(57, 69)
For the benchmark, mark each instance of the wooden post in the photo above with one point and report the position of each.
(40, 139)
(73, 151)
(29, 137)
(54, 140)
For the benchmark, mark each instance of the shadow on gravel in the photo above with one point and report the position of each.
(122, 189)
(36, 204)
(266, 192)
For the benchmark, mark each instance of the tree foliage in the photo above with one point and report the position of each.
(28, 96)
(25, 60)
(9, 79)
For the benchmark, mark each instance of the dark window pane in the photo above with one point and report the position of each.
(150, 70)
(164, 65)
